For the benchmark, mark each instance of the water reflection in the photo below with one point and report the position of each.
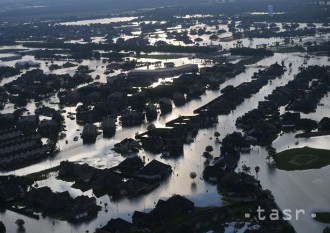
(296, 190)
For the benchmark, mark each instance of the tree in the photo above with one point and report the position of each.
(326, 230)
(20, 223)
(209, 148)
(2, 227)
(246, 169)
(151, 127)
(257, 169)
(193, 175)
(217, 135)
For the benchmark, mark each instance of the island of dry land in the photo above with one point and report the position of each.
(302, 159)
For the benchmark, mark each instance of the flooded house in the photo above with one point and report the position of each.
(127, 145)
(48, 128)
(131, 118)
(108, 127)
(7, 120)
(13, 187)
(164, 211)
(81, 207)
(169, 65)
(89, 134)
(163, 140)
(131, 164)
(155, 170)
(28, 124)
(16, 149)
(117, 225)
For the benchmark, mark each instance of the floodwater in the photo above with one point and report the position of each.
(99, 21)
(306, 190)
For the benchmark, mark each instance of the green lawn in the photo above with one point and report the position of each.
(162, 56)
(323, 217)
(251, 60)
(302, 159)
(42, 175)
(292, 49)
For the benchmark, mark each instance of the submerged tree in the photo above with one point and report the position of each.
(326, 230)
(257, 170)
(209, 148)
(246, 169)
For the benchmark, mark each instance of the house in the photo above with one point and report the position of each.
(174, 206)
(126, 145)
(155, 170)
(80, 172)
(163, 212)
(261, 46)
(68, 65)
(89, 134)
(160, 140)
(141, 219)
(132, 118)
(48, 128)
(26, 64)
(13, 187)
(132, 186)
(169, 65)
(7, 120)
(118, 99)
(324, 124)
(117, 225)
(131, 164)
(28, 123)
(81, 207)
(71, 98)
(11, 58)
(289, 120)
(100, 180)
(109, 126)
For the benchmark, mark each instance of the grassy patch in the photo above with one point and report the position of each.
(323, 217)
(42, 175)
(82, 186)
(251, 60)
(293, 49)
(302, 159)
(162, 56)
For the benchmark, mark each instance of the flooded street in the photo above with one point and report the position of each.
(306, 190)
